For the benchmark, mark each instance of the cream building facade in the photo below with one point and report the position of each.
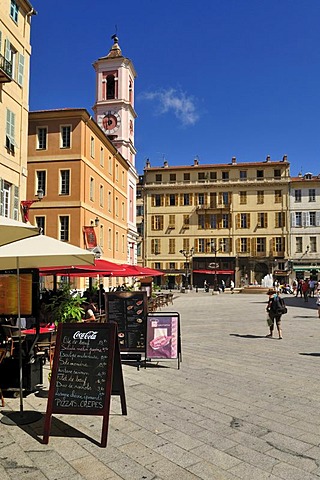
(15, 51)
(219, 221)
(305, 226)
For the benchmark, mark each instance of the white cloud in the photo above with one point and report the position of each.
(176, 101)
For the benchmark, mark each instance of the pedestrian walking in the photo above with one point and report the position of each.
(231, 286)
(275, 308)
(305, 289)
(318, 301)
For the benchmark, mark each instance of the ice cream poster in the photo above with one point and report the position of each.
(162, 337)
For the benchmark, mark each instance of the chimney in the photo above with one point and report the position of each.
(233, 160)
(165, 164)
(268, 158)
(148, 164)
(196, 161)
(285, 158)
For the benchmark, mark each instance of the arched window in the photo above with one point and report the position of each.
(110, 87)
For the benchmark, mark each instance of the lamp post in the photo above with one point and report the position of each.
(188, 254)
(215, 251)
(26, 204)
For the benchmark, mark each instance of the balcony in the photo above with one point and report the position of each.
(213, 207)
(5, 70)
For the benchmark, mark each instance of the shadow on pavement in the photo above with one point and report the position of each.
(246, 336)
(311, 354)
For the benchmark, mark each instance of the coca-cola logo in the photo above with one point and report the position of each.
(213, 265)
(90, 335)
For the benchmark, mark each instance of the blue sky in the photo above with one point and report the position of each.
(216, 78)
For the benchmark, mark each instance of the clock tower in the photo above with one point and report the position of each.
(114, 112)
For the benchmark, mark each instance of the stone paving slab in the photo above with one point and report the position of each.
(242, 406)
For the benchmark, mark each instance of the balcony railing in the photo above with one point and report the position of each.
(5, 70)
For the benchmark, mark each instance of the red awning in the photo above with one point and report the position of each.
(213, 272)
(137, 271)
(101, 267)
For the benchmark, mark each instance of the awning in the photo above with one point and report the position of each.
(213, 272)
(307, 268)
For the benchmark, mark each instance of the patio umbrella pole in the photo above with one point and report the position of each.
(20, 341)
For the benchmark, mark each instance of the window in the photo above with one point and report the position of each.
(278, 244)
(122, 211)
(186, 199)
(201, 222)
(41, 224)
(157, 222)
(14, 10)
(64, 182)
(92, 147)
(172, 265)
(64, 228)
(172, 246)
(224, 245)
(202, 176)
(91, 189)
(186, 244)
(172, 220)
(243, 198)
(110, 87)
(225, 176)
(65, 136)
(139, 210)
(213, 220)
(185, 221)
(10, 56)
(101, 157)
(173, 177)
(116, 207)
(224, 198)
(262, 220)
(312, 194)
(260, 196)
(109, 201)
(116, 242)
(260, 174)
(101, 236)
(298, 219)
(42, 138)
(261, 245)
(201, 197)
(243, 175)
(313, 244)
(186, 177)
(101, 196)
(312, 219)
(277, 173)
(201, 245)
(243, 220)
(155, 246)
(117, 172)
(213, 176)
(213, 200)
(225, 220)
(172, 200)
(157, 200)
(280, 219)
(41, 176)
(158, 177)
(110, 165)
(10, 131)
(244, 245)
(298, 244)
(109, 239)
(297, 195)
(278, 196)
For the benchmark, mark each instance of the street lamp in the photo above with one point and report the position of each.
(188, 254)
(215, 251)
(26, 204)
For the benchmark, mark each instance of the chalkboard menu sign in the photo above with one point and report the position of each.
(86, 372)
(129, 311)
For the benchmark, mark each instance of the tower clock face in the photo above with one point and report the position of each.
(111, 122)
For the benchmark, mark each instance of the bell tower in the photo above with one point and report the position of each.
(114, 105)
(114, 112)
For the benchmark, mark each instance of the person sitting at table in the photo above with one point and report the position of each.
(89, 312)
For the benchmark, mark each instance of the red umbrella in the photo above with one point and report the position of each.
(137, 271)
(101, 267)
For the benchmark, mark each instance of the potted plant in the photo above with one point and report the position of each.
(64, 306)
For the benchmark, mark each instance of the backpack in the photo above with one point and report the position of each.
(278, 306)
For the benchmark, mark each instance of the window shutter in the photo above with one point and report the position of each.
(265, 220)
(273, 245)
(16, 203)
(220, 221)
(1, 196)
(238, 244)
(248, 220)
(248, 245)
(20, 69)
(254, 246)
(283, 219)
(196, 246)
(293, 220)
(191, 198)
(305, 219)
(238, 220)
(229, 245)
(318, 219)
(152, 246)
(7, 50)
(276, 219)
(167, 200)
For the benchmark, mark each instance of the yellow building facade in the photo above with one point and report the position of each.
(15, 51)
(217, 222)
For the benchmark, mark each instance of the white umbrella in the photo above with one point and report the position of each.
(12, 230)
(35, 252)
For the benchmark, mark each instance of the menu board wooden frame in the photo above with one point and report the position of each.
(86, 371)
(163, 339)
(129, 311)
(29, 293)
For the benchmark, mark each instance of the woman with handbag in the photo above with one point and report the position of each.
(275, 309)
